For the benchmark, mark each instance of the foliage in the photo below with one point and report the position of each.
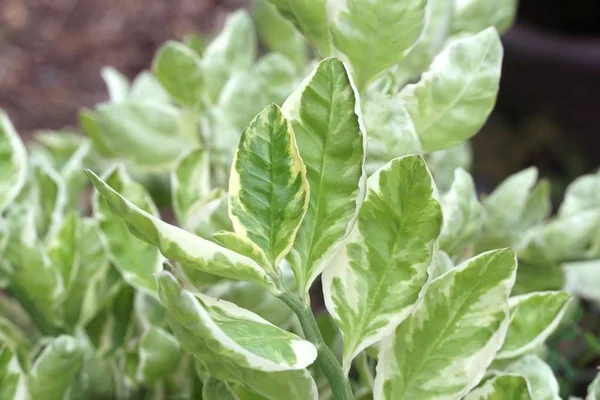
(351, 168)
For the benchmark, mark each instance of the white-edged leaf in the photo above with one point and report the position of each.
(310, 18)
(533, 318)
(583, 194)
(116, 83)
(542, 382)
(136, 260)
(462, 214)
(234, 333)
(502, 387)
(268, 190)
(582, 278)
(376, 279)
(444, 347)
(443, 163)
(13, 383)
(178, 69)
(180, 245)
(593, 392)
(325, 115)
(190, 181)
(456, 95)
(375, 35)
(158, 354)
(475, 15)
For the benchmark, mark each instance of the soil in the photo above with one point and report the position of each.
(572, 17)
(51, 51)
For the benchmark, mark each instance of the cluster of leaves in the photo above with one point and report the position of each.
(359, 178)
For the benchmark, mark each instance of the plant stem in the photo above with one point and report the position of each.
(326, 360)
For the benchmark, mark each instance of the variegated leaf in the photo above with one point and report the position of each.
(268, 190)
(49, 197)
(593, 392)
(441, 264)
(310, 18)
(443, 163)
(325, 115)
(462, 214)
(582, 278)
(456, 95)
(13, 383)
(209, 215)
(542, 382)
(55, 368)
(236, 334)
(233, 49)
(374, 35)
(158, 354)
(136, 260)
(180, 245)
(213, 389)
(13, 162)
(475, 15)
(581, 195)
(533, 318)
(190, 181)
(502, 387)
(178, 69)
(443, 349)
(374, 282)
(116, 83)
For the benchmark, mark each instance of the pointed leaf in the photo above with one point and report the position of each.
(462, 214)
(55, 368)
(278, 34)
(146, 87)
(234, 49)
(179, 71)
(116, 83)
(502, 387)
(325, 115)
(453, 334)
(375, 35)
(136, 260)
(475, 15)
(234, 333)
(13, 170)
(581, 195)
(190, 181)
(310, 18)
(533, 318)
(241, 245)
(268, 191)
(542, 382)
(374, 282)
(178, 244)
(455, 96)
(158, 355)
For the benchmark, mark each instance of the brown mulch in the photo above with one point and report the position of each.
(51, 51)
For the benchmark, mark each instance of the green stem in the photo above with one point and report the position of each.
(326, 360)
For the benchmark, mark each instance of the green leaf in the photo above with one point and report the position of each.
(390, 128)
(214, 389)
(234, 49)
(13, 383)
(593, 392)
(375, 35)
(136, 260)
(247, 93)
(148, 134)
(540, 277)
(502, 387)
(49, 198)
(503, 210)
(441, 264)
(541, 380)
(443, 163)
(241, 245)
(533, 318)
(116, 83)
(147, 88)
(310, 18)
(180, 245)
(462, 214)
(190, 181)
(582, 278)
(13, 165)
(268, 191)
(73, 176)
(236, 334)
(158, 355)
(374, 282)
(324, 112)
(179, 70)
(279, 34)
(55, 368)
(438, 16)
(452, 335)
(208, 216)
(475, 15)
(455, 96)
(581, 195)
